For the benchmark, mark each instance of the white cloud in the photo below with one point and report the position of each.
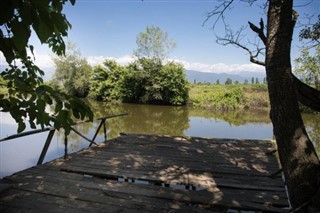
(197, 66)
(41, 60)
(220, 67)
(45, 62)
(123, 60)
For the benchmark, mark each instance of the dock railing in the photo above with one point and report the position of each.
(53, 130)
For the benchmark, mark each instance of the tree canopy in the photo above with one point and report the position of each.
(72, 72)
(27, 96)
(154, 43)
(308, 67)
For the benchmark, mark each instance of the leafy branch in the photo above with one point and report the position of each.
(27, 97)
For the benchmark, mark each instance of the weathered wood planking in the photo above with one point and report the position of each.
(205, 175)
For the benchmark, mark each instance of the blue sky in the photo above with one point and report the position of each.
(108, 29)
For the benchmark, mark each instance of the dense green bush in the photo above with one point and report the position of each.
(107, 81)
(151, 82)
(143, 81)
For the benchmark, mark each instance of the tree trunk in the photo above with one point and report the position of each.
(299, 160)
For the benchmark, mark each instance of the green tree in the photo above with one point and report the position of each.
(264, 80)
(245, 82)
(308, 66)
(228, 81)
(27, 97)
(107, 81)
(150, 79)
(174, 84)
(72, 72)
(217, 81)
(257, 81)
(154, 44)
(154, 83)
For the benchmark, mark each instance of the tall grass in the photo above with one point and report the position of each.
(229, 97)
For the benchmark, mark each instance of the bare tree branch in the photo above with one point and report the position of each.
(253, 57)
(234, 38)
(219, 12)
(259, 31)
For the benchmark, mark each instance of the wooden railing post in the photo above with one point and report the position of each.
(65, 146)
(46, 146)
(97, 131)
(105, 129)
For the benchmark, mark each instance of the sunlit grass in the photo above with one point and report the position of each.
(226, 97)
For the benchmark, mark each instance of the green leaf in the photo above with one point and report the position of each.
(5, 48)
(41, 105)
(57, 5)
(42, 24)
(21, 126)
(60, 22)
(32, 125)
(73, 2)
(25, 12)
(21, 34)
(76, 113)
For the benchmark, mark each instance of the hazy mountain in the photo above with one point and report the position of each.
(207, 77)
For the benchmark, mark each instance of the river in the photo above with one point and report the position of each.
(19, 154)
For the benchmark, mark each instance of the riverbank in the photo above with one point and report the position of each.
(229, 97)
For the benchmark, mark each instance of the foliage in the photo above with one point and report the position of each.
(143, 81)
(153, 83)
(222, 97)
(229, 97)
(107, 81)
(148, 79)
(27, 96)
(72, 73)
(308, 67)
(154, 43)
(312, 34)
(228, 81)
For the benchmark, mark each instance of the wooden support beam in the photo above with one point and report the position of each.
(81, 135)
(46, 146)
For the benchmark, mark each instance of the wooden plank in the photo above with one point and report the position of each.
(123, 190)
(175, 178)
(79, 188)
(227, 173)
(195, 162)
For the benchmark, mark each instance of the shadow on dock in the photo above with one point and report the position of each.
(150, 173)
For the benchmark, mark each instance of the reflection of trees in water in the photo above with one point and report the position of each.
(148, 119)
(74, 140)
(233, 117)
(169, 120)
(312, 123)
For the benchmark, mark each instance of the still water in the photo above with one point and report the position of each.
(19, 154)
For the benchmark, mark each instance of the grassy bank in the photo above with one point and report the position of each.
(229, 97)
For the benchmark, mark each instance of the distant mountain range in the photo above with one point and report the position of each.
(208, 77)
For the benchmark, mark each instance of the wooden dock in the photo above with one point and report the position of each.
(149, 173)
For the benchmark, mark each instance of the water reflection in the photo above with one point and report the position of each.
(148, 119)
(19, 154)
